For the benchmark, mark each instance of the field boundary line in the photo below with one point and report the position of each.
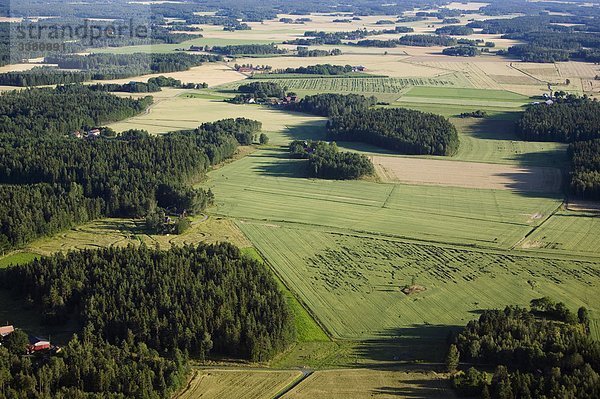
(411, 240)
(282, 280)
(305, 374)
(188, 386)
(535, 228)
(528, 74)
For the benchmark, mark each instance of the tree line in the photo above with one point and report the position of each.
(331, 104)
(542, 352)
(306, 52)
(252, 49)
(152, 86)
(119, 66)
(575, 120)
(319, 69)
(401, 130)
(143, 312)
(569, 119)
(325, 161)
(461, 51)
(315, 38)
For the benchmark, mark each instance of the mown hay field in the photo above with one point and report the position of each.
(567, 232)
(241, 383)
(468, 174)
(360, 85)
(353, 283)
(463, 97)
(122, 232)
(267, 185)
(189, 111)
(364, 383)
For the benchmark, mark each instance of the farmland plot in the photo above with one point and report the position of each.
(266, 185)
(567, 232)
(249, 384)
(464, 97)
(493, 140)
(360, 85)
(468, 174)
(354, 283)
(363, 383)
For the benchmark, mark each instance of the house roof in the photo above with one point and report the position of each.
(5, 330)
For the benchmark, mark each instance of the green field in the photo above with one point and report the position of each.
(307, 329)
(353, 282)
(466, 94)
(493, 140)
(231, 383)
(464, 97)
(17, 258)
(266, 185)
(567, 232)
(363, 384)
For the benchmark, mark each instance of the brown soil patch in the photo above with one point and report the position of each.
(413, 289)
(468, 174)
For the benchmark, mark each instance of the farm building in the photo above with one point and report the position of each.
(93, 133)
(6, 330)
(37, 344)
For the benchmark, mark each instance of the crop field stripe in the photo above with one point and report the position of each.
(308, 327)
(353, 284)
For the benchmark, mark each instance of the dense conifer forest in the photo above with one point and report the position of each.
(400, 130)
(325, 161)
(585, 169)
(142, 312)
(86, 178)
(55, 112)
(454, 30)
(330, 104)
(119, 66)
(544, 352)
(575, 120)
(252, 49)
(319, 69)
(569, 119)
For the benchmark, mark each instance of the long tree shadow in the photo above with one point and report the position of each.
(425, 388)
(277, 163)
(499, 127)
(425, 344)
